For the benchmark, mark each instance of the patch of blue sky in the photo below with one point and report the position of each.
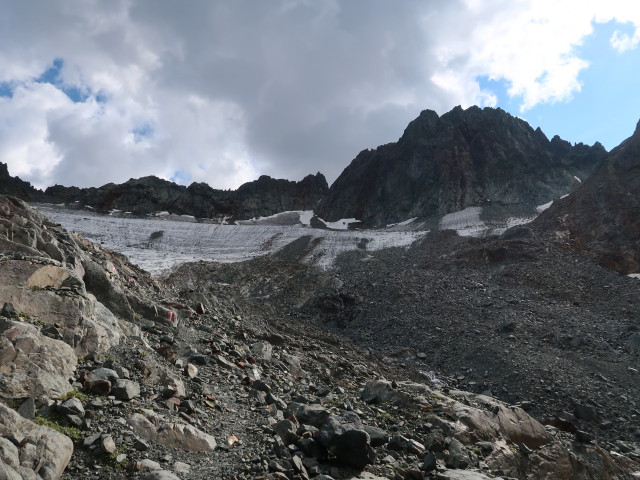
(605, 109)
(6, 89)
(499, 88)
(181, 177)
(142, 132)
(53, 76)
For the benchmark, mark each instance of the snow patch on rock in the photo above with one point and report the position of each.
(183, 242)
(544, 206)
(466, 222)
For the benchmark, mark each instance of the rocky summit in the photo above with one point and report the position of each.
(602, 220)
(16, 187)
(463, 158)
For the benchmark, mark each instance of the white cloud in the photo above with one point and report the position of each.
(224, 91)
(623, 41)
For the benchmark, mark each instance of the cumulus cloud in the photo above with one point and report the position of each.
(92, 91)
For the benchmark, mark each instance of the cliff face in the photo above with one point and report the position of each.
(601, 218)
(464, 158)
(262, 197)
(16, 187)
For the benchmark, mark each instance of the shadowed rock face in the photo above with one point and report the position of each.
(601, 219)
(464, 158)
(16, 187)
(263, 197)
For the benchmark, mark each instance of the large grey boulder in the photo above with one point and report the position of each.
(152, 427)
(313, 414)
(345, 436)
(107, 292)
(43, 453)
(561, 460)
(86, 324)
(382, 391)
(31, 364)
(125, 389)
(496, 420)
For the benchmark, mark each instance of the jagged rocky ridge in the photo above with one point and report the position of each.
(463, 158)
(16, 187)
(263, 197)
(473, 157)
(602, 218)
(130, 377)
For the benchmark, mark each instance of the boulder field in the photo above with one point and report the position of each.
(108, 373)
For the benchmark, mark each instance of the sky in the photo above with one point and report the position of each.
(223, 91)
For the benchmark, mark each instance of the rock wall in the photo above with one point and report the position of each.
(263, 197)
(601, 218)
(464, 158)
(16, 187)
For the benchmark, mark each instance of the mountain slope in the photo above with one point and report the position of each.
(107, 373)
(262, 197)
(601, 219)
(464, 158)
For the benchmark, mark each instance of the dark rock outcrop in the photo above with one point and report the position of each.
(601, 218)
(463, 158)
(16, 187)
(262, 197)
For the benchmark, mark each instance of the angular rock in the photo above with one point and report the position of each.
(41, 449)
(586, 412)
(353, 448)
(125, 389)
(558, 460)
(190, 370)
(262, 351)
(32, 364)
(9, 311)
(429, 462)
(154, 428)
(313, 414)
(382, 391)
(458, 455)
(85, 324)
(107, 444)
(346, 438)
(173, 386)
(71, 406)
(378, 436)
(287, 430)
(404, 444)
(107, 292)
(28, 408)
(496, 420)
(48, 276)
(147, 465)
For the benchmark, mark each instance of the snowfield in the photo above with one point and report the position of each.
(467, 223)
(159, 244)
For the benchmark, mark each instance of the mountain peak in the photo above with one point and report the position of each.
(463, 158)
